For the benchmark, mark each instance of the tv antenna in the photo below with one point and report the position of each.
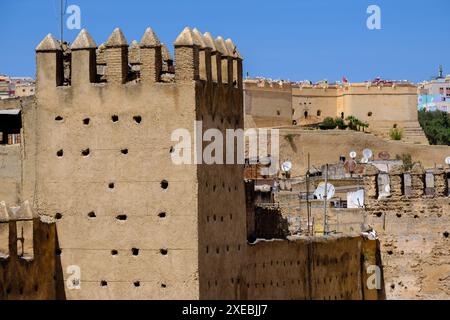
(62, 9)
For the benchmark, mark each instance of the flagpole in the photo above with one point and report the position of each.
(61, 20)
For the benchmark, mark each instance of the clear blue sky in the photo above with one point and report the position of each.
(287, 39)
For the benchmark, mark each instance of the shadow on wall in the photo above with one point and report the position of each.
(313, 268)
(60, 292)
(270, 224)
(30, 267)
(379, 262)
(372, 271)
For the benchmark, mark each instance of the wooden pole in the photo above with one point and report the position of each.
(307, 197)
(325, 224)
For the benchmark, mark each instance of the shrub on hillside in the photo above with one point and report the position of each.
(407, 161)
(328, 124)
(396, 134)
(340, 123)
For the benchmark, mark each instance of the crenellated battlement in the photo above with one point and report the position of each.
(29, 267)
(414, 183)
(17, 230)
(198, 56)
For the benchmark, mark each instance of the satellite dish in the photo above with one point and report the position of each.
(320, 191)
(364, 160)
(367, 153)
(384, 155)
(352, 154)
(286, 166)
(447, 161)
(253, 160)
(265, 160)
(350, 165)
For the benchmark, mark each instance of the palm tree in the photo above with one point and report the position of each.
(364, 125)
(352, 122)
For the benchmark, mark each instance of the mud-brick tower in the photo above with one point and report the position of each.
(98, 159)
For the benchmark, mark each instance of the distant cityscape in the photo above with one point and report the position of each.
(14, 87)
(434, 95)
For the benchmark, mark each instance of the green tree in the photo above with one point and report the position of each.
(356, 124)
(340, 123)
(436, 125)
(352, 122)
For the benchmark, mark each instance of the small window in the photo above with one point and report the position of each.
(10, 126)
(305, 114)
(319, 113)
(278, 112)
(369, 114)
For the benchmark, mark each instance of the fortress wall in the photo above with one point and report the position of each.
(12, 103)
(387, 105)
(346, 221)
(413, 226)
(221, 192)
(267, 105)
(10, 173)
(319, 103)
(265, 122)
(383, 106)
(11, 161)
(102, 160)
(28, 266)
(317, 268)
(99, 158)
(124, 215)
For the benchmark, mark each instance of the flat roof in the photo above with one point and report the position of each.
(10, 112)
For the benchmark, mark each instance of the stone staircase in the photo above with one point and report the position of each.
(412, 133)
